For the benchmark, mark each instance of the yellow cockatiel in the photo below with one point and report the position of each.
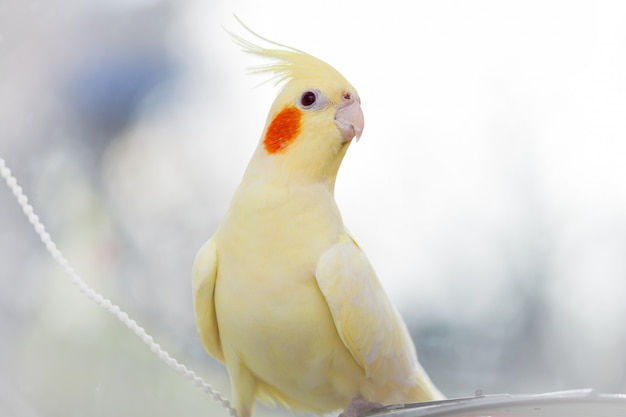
(283, 295)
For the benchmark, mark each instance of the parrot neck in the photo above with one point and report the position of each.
(296, 165)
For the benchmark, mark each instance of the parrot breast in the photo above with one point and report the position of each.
(273, 319)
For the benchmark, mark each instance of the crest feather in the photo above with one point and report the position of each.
(288, 63)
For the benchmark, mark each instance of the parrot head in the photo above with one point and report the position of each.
(313, 119)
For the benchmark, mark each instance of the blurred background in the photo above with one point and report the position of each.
(488, 189)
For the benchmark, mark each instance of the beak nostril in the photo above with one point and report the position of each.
(349, 118)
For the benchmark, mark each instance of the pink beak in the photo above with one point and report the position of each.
(349, 118)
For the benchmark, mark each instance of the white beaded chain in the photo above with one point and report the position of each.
(97, 298)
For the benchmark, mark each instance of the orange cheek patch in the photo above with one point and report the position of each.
(282, 130)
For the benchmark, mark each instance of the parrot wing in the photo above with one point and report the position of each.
(368, 324)
(204, 275)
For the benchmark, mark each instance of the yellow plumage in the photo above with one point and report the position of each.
(283, 295)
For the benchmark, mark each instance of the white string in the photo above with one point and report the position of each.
(97, 298)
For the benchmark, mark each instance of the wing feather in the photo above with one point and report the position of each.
(366, 320)
(204, 275)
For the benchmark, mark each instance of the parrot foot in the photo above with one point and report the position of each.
(358, 407)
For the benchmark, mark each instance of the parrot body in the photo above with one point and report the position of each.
(283, 295)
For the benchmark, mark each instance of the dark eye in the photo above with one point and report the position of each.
(308, 98)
